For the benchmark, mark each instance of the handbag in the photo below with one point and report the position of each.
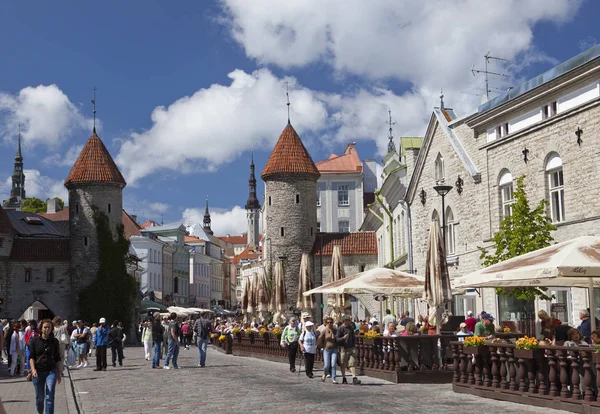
(64, 339)
(29, 376)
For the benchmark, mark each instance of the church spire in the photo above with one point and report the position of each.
(17, 191)
(252, 202)
(19, 157)
(207, 228)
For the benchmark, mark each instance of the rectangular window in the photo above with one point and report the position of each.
(281, 232)
(297, 198)
(344, 226)
(1, 242)
(505, 129)
(28, 275)
(311, 231)
(318, 226)
(50, 275)
(499, 132)
(76, 208)
(269, 200)
(85, 241)
(318, 198)
(557, 196)
(176, 285)
(450, 238)
(109, 208)
(507, 199)
(343, 195)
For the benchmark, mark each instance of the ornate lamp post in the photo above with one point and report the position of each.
(442, 190)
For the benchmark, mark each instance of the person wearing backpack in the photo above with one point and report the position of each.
(203, 329)
(173, 342)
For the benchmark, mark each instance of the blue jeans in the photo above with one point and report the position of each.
(202, 343)
(44, 386)
(330, 362)
(172, 352)
(157, 354)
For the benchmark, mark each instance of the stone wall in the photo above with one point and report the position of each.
(298, 221)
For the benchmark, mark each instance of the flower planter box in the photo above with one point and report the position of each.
(476, 350)
(528, 353)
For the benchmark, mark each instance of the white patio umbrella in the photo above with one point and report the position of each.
(263, 298)
(279, 297)
(437, 280)
(573, 263)
(336, 273)
(304, 303)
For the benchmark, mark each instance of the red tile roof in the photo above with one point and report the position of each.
(290, 157)
(149, 223)
(249, 253)
(130, 227)
(94, 165)
(62, 215)
(5, 225)
(243, 239)
(351, 243)
(193, 239)
(349, 162)
(40, 249)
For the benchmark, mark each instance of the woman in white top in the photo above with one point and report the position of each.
(16, 349)
(147, 339)
(308, 345)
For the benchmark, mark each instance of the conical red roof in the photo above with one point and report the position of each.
(95, 165)
(290, 157)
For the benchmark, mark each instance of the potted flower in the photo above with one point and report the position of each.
(526, 347)
(506, 329)
(248, 331)
(222, 338)
(475, 345)
(371, 335)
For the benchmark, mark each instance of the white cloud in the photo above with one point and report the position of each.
(64, 160)
(216, 124)
(40, 186)
(222, 221)
(46, 114)
(158, 207)
(432, 43)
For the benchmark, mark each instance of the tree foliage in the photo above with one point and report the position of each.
(36, 205)
(113, 293)
(524, 231)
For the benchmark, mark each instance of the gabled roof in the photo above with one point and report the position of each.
(36, 225)
(95, 165)
(130, 227)
(235, 240)
(290, 157)
(442, 117)
(193, 239)
(349, 162)
(350, 243)
(249, 253)
(149, 223)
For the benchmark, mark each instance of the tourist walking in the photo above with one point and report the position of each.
(173, 342)
(203, 329)
(115, 341)
(330, 350)
(346, 339)
(91, 346)
(147, 339)
(80, 335)
(45, 361)
(59, 331)
(157, 339)
(289, 340)
(186, 331)
(101, 342)
(308, 345)
(15, 349)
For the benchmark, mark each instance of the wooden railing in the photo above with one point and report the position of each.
(423, 358)
(558, 377)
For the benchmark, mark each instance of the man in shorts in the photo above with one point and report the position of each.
(346, 340)
(81, 335)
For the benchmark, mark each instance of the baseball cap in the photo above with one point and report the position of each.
(79, 321)
(102, 320)
(309, 323)
(463, 325)
(488, 317)
(470, 313)
(305, 315)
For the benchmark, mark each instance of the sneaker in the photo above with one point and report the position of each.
(166, 367)
(334, 382)
(344, 380)
(175, 367)
(200, 365)
(80, 366)
(85, 364)
(329, 376)
(355, 381)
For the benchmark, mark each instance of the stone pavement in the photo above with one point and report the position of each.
(231, 384)
(18, 395)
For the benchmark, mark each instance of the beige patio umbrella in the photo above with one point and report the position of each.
(573, 263)
(279, 297)
(245, 282)
(263, 295)
(251, 295)
(305, 303)
(336, 273)
(437, 280)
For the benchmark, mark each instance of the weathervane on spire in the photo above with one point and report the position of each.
(391, 145)
(441, 98)
(94, 103)
(287, 94)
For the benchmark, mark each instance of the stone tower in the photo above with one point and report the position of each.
(290, 206)
(206, 221)
(17, 191)
(94, 182)
(252, 208)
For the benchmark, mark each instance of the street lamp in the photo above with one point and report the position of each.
(442, 190)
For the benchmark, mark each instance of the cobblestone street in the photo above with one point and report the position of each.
(238, 384)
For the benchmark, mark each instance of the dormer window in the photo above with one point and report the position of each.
(549, 110)
(34, 221)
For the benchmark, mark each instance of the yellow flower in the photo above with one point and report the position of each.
(276, 331)
(263, 331)
(222, 338)
(474, 341)
(506, 329)
(371, 335)
(248, 331)
(236, 331)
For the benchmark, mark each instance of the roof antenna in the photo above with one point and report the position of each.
(391, 145)
(486, 72)
(442, 98)
(287, 94)
(94, 103)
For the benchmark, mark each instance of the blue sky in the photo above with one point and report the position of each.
(185, 91)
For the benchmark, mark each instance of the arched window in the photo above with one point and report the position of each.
(439, 168)
(450, 232)
(435, 216)
(556, 190)
(506, 193)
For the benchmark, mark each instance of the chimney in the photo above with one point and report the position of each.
(349, 147)
(134, 217)
(52, 206)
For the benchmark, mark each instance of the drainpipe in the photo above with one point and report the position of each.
(408, 235)
(389, 214)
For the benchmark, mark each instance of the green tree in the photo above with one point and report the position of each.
(33, 205)
(112, 294)
(36, 205)
(524, 231)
